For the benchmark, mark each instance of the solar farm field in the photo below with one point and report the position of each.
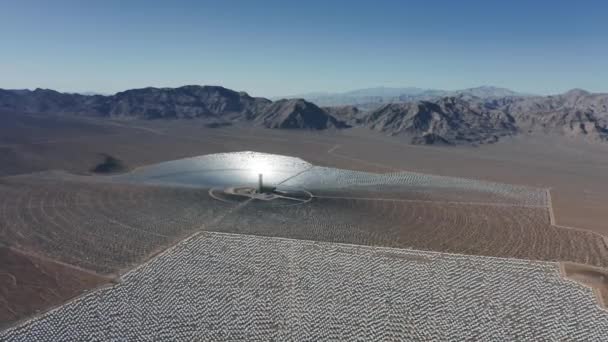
(236, 287)
(104, 226)
(490, 230)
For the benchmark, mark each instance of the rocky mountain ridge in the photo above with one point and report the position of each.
(449, 120)
(469, 119)
(192, 101)
(462, 119)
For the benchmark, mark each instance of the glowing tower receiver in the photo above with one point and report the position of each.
(260, 183)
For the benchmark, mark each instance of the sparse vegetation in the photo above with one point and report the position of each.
(109, 165)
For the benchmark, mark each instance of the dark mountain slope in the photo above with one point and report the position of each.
(210, 102)
(470, 119)
(349, 114)
(183, 102)
(575, 113)
(41, 101)
(296, 113)
(449, 120)
(465, 118)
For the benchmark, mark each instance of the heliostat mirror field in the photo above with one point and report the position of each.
(107, 225)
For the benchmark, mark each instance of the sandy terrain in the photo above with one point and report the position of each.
(29, 283)
(593, 277)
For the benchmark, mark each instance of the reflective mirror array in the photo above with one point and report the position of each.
(107, 226)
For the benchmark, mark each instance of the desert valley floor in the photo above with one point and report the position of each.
(427, 240)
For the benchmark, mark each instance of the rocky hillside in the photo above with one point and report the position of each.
(209, 102)
(462, 119)
(297, 113)
(348, 114)
(183, 102)
(575, 113)
(470, 119)
(450, 120)
(43, 101)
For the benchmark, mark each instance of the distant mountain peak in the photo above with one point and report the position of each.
(380, 95)
(297, 113)
(577, 92)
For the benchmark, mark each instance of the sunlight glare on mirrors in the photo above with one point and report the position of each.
(260, 166)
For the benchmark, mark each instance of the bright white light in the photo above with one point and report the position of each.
(262, 166)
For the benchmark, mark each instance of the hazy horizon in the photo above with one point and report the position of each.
(282, 49)
(311, 93)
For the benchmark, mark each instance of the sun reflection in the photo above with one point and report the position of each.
(261, 166)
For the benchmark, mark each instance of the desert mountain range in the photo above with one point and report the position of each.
(479, 115)
(213, 103)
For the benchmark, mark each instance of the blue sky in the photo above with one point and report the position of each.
(271, 48)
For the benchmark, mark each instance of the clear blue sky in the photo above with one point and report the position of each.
(271, 48)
